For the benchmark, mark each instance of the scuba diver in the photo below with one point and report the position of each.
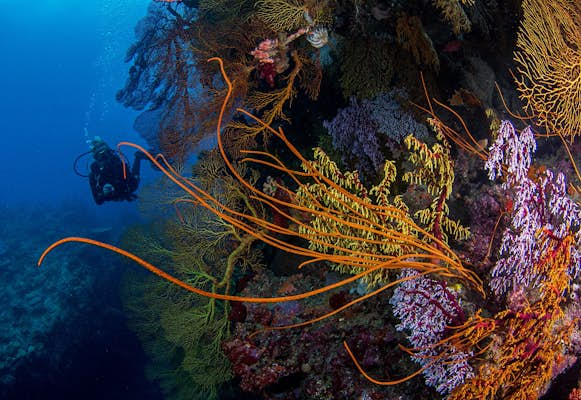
(106, 176)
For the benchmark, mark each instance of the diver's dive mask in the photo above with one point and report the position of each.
(99, 148)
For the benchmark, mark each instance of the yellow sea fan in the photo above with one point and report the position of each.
(453, 13)
(549, 59)
(281, 15)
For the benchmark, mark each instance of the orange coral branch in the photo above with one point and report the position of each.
(432, 250)
(383, 383)
(192, 289)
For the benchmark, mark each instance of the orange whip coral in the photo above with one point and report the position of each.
(428, 256)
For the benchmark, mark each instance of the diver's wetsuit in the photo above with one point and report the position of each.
(106, 177)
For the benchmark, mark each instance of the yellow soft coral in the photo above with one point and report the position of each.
(435, 170)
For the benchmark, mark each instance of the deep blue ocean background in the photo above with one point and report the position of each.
(62, 63)
(62, 329)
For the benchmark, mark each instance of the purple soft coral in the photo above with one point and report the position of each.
(538, 205)
(362, 130)
(426, 307)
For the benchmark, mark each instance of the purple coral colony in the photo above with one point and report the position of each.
(392, 209)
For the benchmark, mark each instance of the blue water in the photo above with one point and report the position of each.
(61, 63)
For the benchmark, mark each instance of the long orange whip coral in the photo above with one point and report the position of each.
(437, 257)
(190, 288)
(266, 231)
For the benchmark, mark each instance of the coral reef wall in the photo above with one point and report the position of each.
(392, 209)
